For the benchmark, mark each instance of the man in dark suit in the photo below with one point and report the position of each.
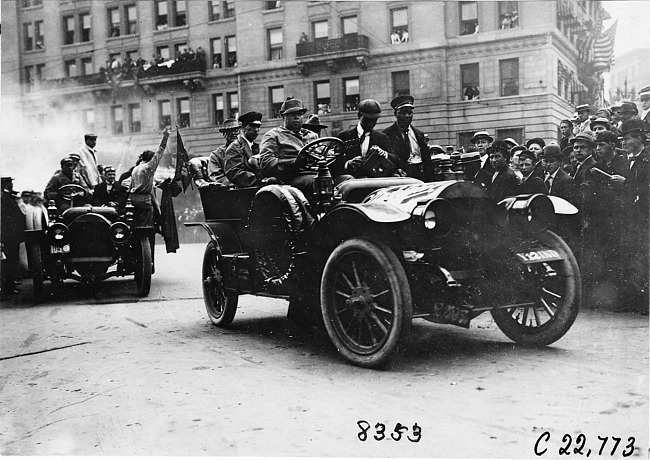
(482, 140)
(238, 166)
(644, 96)
(109, 192)
(557, 182)
(407, 142)
(504, 180)
(583, 146)
(359, 140)
(530, 183)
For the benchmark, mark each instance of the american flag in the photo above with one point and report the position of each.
(604, 49)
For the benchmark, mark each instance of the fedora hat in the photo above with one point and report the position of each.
(314, 122)
(251, 118)
(291, 106)
(601, 121)
(635, 125)
(228, 124)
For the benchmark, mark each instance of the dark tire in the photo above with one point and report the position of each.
(36, 261)
(365, 302)
(221, 307)
(143, 267)
(557, 298)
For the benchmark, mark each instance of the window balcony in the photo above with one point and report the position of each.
(332, 51)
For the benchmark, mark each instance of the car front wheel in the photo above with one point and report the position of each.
(143, 267)
(365, 301)
(221, 307)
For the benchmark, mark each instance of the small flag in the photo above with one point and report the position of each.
(182, 158)
(604, 49)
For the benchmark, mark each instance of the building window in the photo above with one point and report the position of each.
(272, 5)
(87, 66)
(514, 133)
(28, 36)
(214, 10)
(509, 77)
(277, 98)
(228, 9)
(162, 18)
(70, 68)
(30, 3)
(508, 15)
(470, 81)
(275, 44)
(215, 49)
(320, 30)
(468, 18)
(163, 52)
(349, 25)
(351, 94)
(465, 139)
(84, 20)
(68, 30)
(323, 100)
(218, 108)
(231, 51)
(179, 49)
(399, 25)
(180, 13)
(165, 110)
(88, 119)
(39, 44)
(131, 20)
(132, 56)
(117, 120)
(183, 109)
(114, 22)
(401, 83)
(233, 105)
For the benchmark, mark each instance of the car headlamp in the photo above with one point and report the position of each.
(530, 212)
(435, 216)
(120, 232)
(58, 233)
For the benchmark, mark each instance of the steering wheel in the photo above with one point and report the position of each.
(325, 148)
(71, 191)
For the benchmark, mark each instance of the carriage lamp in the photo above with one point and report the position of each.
(52, 212)
(128, 211)
(323, 185)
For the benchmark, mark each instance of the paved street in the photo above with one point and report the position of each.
(102, 372)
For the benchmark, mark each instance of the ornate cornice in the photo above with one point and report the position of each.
(274, 75)
(377, 60)
(489, 48)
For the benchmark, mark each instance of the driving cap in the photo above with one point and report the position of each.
(582, 137)
(633, 126)
(644, 92)
(314, 122)
(601, 121)
(251, 118)
(67, 160)
(292, 106)
(552, 151)
(74, 156)
(370, 108)
(403, 100)
(606, 136)
(535, 140)
(583, 108)
(90, 135)
(629, 107)
(229, 124)
(481, 135)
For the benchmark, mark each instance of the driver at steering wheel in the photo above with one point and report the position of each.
(280, 147)
(65, 176)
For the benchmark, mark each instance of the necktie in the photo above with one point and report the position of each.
(365, 142)
(549, 183)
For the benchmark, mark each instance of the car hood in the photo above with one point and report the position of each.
(406, 197)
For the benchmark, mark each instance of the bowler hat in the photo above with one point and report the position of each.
(314, 122)
(481, 135)
(629, 107)
(635, 125)
(403, 100)
(370, 108)
(606, 136)
(228, 124)
(251, 118)
(291, 106)
(582, 136)
(552, 151)
(601, 121)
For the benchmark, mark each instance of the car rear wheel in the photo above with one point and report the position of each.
(143, 267)
(36, 261)
(365, 301)
(221, 307)
(557, 293)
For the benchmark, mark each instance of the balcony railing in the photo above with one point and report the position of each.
(334, 45)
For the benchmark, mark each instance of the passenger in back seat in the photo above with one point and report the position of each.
(216, 170)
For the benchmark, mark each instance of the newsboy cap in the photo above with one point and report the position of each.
(582, 137)
(403, 100)
(90, 135)
(67, 160)
(251, 118)
(601, 121)
(370, 108)
(606, 136)
(291, 106)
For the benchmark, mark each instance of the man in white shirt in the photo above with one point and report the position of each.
(88, 162)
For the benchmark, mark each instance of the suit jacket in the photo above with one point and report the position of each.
(401, 146)
(563, 186)
(504, 185)
(637, 186)
(482, 178)
(531, 185)
(352, 149)
(118, 195)
(216, 169)
(582, 174)
(236, 165)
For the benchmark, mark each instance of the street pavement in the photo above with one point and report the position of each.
(99, 371)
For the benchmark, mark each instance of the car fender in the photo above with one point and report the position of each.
(222, 234)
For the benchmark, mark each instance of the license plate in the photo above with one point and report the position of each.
(540, 255)
(65, 249)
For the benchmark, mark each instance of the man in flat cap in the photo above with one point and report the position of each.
(216, 171)
(109, 192)
(313, 124)
(583, 123)
(644, 96)
(362, 138)
(600, 125)
(240, 169)
(88, 162)
(65, 176)
(482, 140)
(583, 146)
(504, 181)
(407, 142)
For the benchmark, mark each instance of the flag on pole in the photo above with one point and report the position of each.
(182, 172)
(604, 49)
